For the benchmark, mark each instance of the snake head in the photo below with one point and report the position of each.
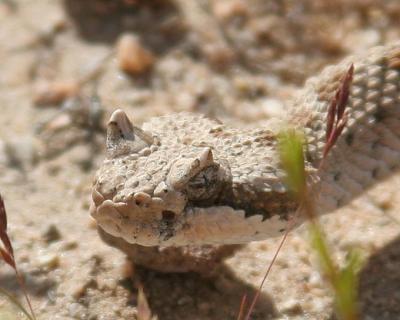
(146, 187)
(184, 179)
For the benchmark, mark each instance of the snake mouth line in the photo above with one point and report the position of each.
(195, 226)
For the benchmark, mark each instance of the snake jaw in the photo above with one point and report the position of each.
(142, 219)
(193, 226)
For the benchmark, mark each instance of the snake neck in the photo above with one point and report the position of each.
(368, 150)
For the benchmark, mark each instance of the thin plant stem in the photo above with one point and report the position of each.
(290, 224)
(22, 285)
(16, 303)
(242, 307)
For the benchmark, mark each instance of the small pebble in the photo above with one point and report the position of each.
(77, 311)
(53, 93)
(132, 57)
(273, 108)
(291, 307)
(21, 152)
(77, 287)
(51, 234)
(226, 10)
(219, 55)
(70, 245)
(49, 261)
(104, 283)
(60, 122)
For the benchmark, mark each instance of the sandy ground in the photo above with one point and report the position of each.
(235, 60)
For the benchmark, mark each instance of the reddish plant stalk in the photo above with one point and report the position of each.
(336, 122)
(336, 118)
(7, 253)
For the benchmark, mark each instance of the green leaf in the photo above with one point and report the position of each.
(291, 146)
(347, 286)
(343, 281)
(321, 248)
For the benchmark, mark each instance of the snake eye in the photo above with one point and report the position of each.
(204, 185)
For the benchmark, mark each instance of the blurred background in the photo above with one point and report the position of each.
(65, 65)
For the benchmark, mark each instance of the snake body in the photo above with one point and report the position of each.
(184, 179)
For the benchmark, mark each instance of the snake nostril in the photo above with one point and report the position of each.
(168, 215)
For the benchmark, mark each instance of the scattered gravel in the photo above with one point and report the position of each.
(239, 61)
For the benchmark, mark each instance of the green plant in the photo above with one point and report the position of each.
(344, 281)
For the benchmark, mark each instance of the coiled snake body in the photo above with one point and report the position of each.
(186, 180)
